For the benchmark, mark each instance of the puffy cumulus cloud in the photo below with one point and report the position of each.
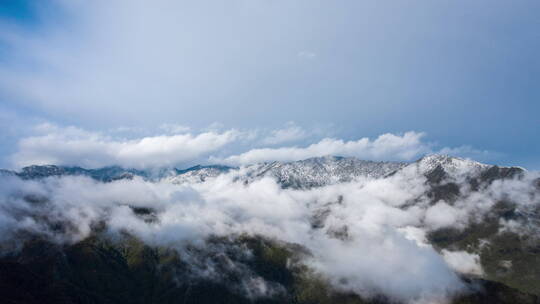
(74, 146)
(370, 267)
(178, 145)
(443, 215)
(402, 147)
(463, 262)
(387, 146)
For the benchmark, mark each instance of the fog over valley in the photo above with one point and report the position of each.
(368, 228)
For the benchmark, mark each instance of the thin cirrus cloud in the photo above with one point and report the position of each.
(52, 144)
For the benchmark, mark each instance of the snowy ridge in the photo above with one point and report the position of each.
(328, 170)
(105, 174)
(452, 167)
(196, 174)
(303, 174)
(321, 171)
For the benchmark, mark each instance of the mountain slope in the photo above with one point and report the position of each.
(483, 220)
(98, 270)
(308, 173)
(321, 171)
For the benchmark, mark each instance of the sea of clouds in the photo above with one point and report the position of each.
(367, 236)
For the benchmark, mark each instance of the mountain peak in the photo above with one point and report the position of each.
(320, 171)
(450, 164)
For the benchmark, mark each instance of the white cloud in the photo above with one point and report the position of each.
(177, 146)
(385, 147)
(442, 215)
(463, 262)
(375, 258)
(382, 248)
(74, 146)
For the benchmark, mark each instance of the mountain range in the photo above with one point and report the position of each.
(312, 172)
(501, 234)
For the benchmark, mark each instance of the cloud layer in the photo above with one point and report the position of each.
(385, 147)
(73, 146)
(181, 146)
(369, 237)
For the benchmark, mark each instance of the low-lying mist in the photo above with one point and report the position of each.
(368, 236)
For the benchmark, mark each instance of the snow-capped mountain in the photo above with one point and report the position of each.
(105, 174)
(195, 174)
(321, 171)
(439, 168)
(328, 170)
(482, 219)
(312, 172)
(453, 166)
(303, 174)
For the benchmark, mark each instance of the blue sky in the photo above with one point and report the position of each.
(465, 73)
